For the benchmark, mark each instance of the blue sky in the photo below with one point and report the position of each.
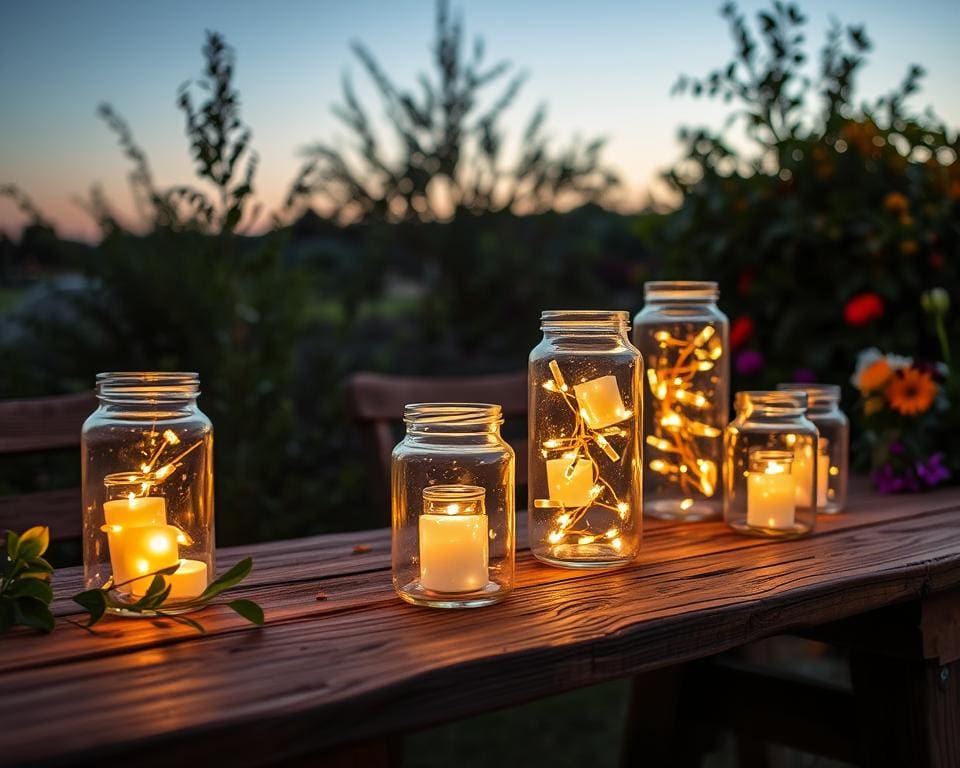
(604, 67)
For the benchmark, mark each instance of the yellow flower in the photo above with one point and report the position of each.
(911, 392)
(875, 375)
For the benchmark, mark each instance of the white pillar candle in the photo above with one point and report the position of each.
(142, 550)
(453, 552)
(135, 511)
(600, 402)
(575, 490)
(771, 497)
(188, 581)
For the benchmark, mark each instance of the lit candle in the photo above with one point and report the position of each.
(135, 511)
(600, 402)
(454, 537)
(570, 484)
(803, 470)
(189, 580)
(142, 550)
(771, 490)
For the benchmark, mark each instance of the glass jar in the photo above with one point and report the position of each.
(147, 478)
(833, 451)
(683, 338)
(452, 489)
(766, 492)
(585, 453)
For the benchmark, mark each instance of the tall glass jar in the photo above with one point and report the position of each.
(833, 452)
(683, 338)
(147, 477)
(452, 489)
(585, 485)
(766, 493)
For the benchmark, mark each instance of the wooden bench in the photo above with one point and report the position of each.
(342, 660)
(36, 425)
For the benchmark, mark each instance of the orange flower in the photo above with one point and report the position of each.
(873, 405)
(909, 247)
(896, 203)
(875, 375)
(911, 392)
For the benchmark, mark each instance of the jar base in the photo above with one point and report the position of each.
(796, 531)
(583, 556)
(832, 508)
(669, 509)
(415, 594)
(166, 611)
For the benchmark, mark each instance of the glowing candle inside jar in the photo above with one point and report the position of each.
(143, 550)
(135, 511)
(600, 402)
(570, 484)
(189, 580)
(454, 536)
(771, 490)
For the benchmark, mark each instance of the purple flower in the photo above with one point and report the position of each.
(749, 362)
(887, 480)
(896, 448)
(932, 471)
(804, 376)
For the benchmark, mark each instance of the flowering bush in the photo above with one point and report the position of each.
(910, 411)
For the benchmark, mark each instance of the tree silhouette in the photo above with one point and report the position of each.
(451, 154)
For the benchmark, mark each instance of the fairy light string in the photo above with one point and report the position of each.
(577, 449)
(678, 434)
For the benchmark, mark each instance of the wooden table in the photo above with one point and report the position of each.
(342, 660)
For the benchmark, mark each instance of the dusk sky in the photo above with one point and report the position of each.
(603, 67)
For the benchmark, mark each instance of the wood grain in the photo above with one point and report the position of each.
(360, 664)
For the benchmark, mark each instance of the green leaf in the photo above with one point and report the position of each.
(8, 615)
(32, 613)
(151, 602)
(30, 587)
(13, 544)
(184, 620)
(230, 579)
(39, 564)
(249, 610)
(94, 601)
(34, 542)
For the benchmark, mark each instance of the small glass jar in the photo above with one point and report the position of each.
(833, 460)
(766, 492)
(584, 469)
(452, 489)
(683, 338)
(147, 478)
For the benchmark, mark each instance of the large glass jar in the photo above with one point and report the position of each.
(683, 338)
(833, 451)
(452, 489)
(766, 493)
(147, 477)
(585, 485)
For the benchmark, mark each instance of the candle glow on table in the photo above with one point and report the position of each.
(771, 490)
(454, 536)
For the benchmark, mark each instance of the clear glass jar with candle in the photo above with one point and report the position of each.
(765, 493)
(452, 490)
(683, 338)
(585, 486)
(147, 477)
(833, 451)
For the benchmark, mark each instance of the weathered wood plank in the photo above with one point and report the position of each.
(43, 423)
(375, 665)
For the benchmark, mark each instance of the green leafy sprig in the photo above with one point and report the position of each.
(97, 601)
(25, 595)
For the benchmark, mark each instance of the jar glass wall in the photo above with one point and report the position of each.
(683, 338)
(833, 460)
(767, 491)
(452, 491)
(584, 468)
(147, 466)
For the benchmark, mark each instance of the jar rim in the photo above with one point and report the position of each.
(817, 394)
(681, 290)
(452, 414)
(758, 455)
(584, 319)
(454, 493)
(778, 400)
(147, 386)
